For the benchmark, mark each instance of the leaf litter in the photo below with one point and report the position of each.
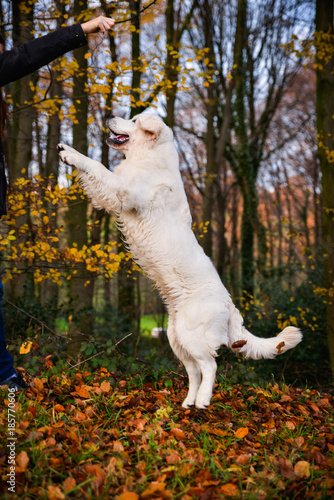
(101, 436)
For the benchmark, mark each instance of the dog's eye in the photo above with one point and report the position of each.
(134, 120)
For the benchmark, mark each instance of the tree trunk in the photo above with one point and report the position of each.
(81, 295)
(245, 171)
(325, 128)
(211, 174)
(19, 150)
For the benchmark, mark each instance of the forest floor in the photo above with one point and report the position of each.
(102, 436)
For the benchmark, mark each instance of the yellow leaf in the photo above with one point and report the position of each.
(38, 384)
(25, 347)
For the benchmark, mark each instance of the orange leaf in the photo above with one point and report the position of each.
(69, 484)
(241, 432)
(82, 391)
(229, 490)
(302, 470)
(128, 495)
(118, 446)
(22, 460)
(105, 386)
(244, 459)
(59, 408)
(38, 384)
(299, 441)
(178, 433)
(55, 493)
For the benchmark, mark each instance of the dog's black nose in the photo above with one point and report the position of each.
(111, 117)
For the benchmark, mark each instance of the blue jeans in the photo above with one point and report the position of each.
(6, 360)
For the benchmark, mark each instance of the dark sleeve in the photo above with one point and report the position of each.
(30, 56)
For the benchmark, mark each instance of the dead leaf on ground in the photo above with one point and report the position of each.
(55, 493)
(229, 490)
(105, 386)
(302, 469)
(69, 484)
(241, 432)
(128, 495)
(22, 460)
(81, 391)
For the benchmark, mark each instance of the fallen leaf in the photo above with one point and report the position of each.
(178, 433)
(241, 432)
(59, 408)
(299, 441)
(302, 470)
(244, 459)
(128, 495)
(38, 384)
(105, 386)
(26, 347)
(55, 493)
(230, 490)
(22, 460)
(81, 391)
(69, 484)
(118, 446)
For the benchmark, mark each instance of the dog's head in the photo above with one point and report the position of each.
(144, 131)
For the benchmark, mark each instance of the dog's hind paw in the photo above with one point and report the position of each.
(202, 403)
(187, 403)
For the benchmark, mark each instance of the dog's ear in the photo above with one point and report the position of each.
(151, 125)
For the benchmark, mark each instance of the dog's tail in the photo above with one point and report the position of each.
(250, 346)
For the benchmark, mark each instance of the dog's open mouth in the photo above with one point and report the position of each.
(117, 139)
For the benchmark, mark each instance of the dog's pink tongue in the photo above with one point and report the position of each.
(121, 137)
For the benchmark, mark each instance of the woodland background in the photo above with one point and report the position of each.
(247, 87)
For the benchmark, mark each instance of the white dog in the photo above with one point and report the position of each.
(146, 193)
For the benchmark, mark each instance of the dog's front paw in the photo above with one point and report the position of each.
(68, 155)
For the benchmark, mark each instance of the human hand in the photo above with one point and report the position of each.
(99, 24)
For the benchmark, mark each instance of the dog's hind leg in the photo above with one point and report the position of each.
(194, 374)
(192, 369)
(205, 361)
(208, 367)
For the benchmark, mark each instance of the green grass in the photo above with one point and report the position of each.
(150, 321)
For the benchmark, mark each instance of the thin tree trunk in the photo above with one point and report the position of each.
(325, 128)
(81, 295)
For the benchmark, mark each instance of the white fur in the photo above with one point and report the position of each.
(146, 193)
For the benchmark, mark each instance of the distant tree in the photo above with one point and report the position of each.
(325, 126)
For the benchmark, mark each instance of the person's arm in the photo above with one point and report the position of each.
(32, 55)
